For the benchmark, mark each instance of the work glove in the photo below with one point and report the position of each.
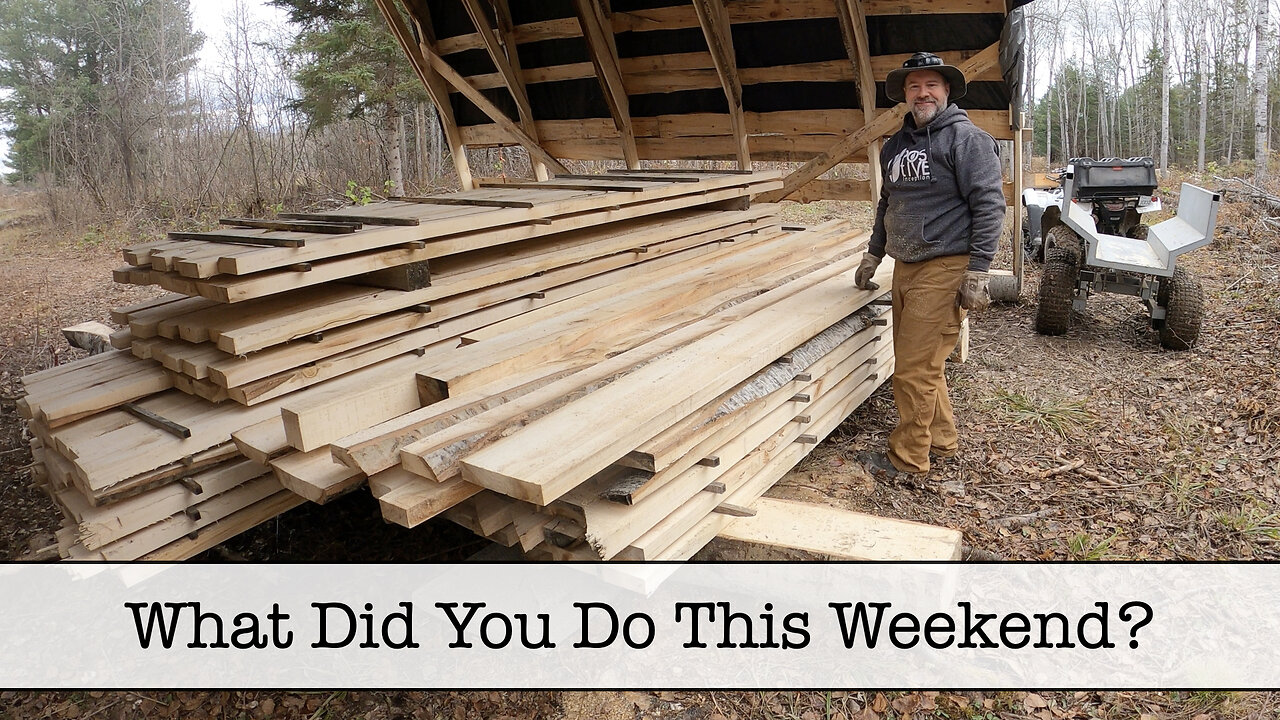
(975, 291)
(866, 270)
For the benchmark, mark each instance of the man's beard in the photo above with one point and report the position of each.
(924, 114)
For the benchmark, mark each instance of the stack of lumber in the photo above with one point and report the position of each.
(600, 367)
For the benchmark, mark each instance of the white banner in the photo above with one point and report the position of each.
(618, 626)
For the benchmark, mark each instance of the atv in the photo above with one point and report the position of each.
(1093, 240)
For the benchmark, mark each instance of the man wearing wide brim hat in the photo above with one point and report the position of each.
(940, 215)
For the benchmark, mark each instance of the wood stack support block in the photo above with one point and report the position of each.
(584, 368)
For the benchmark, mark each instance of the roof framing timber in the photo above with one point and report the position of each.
(604, 55)
(853, 30)
(507, 61)
(417, 51)
(715, 28)
(873, 130)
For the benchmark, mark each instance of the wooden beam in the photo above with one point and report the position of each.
(598, 31)
(823, 533)
(715, 28)
(417, 50)
(873, 130)
(507, 64)
(853, 29)
(459, 83)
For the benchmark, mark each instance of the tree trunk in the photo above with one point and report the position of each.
(1260, 95)
(395, 151)
(1164, 90)
(1204, 100)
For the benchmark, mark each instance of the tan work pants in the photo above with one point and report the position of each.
(926, 326)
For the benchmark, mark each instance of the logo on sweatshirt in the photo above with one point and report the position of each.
(909, 166)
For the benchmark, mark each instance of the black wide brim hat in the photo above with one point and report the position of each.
(924, 61)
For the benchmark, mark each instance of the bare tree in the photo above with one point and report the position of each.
(1260, 96)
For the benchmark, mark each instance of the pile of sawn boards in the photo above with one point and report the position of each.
(603, 367)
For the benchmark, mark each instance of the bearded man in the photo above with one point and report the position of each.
(940, 215)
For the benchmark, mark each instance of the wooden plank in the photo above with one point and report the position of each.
(762, 126)
(604, 317)
(225, 528)
(604, 56)
(338, 217)
(262, 324)
(611, 527)
(100, 526)
(377, 448)
(431, 336)
(833, 534)
(299, 226)
(474, 228)
(235, 238)
(842, 190)
(360, 398)
(874, 129)
(560, 185)
(682, 533)
(410, 500)
(315, 476)
(271, 282)
(263, 441)
(432, 455)
(121, 315)
(468, 201)
(701, 433)
(116, 380)
(113, 446)
(156, 536)
(530, 470)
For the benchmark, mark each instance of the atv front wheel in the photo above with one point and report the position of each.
(1057, 289)
(1183, 302)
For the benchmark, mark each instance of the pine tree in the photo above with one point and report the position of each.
(350, 66)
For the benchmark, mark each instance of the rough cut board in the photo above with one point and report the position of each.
(437, 222)
(559, 451)
(829, 533)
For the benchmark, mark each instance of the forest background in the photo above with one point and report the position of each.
(110, 112)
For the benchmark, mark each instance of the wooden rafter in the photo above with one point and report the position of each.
(597, 30)
(459, 83)
(872, 130)
(715, 28)
(505, 59)
(853, 29)
(416, 50)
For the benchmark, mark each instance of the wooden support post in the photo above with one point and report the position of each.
(1016, 177)
(507, 64)
(417, 49)
(598, 31)
(715, 28)
(853, 29)
(872, 130)
(507, 27)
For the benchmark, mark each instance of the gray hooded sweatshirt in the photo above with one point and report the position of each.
(941, 193)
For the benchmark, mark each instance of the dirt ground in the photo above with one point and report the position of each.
(1179, 450)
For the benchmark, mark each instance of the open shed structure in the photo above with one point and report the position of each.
(744, 80)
